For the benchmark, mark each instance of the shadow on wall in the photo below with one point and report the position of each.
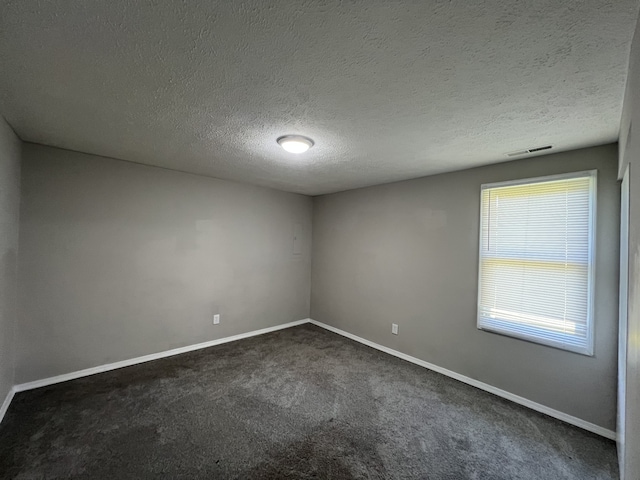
(8, 305)
(8, 287)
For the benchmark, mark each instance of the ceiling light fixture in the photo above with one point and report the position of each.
(295, 143)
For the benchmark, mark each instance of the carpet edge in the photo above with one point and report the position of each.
(7, 402)
(150, 357)
(565, 417)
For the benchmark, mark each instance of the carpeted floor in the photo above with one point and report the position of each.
(298, 403)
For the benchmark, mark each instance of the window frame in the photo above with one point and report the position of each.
(588, 349)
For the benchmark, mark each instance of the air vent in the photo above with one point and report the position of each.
(531, 150)
(515, 154)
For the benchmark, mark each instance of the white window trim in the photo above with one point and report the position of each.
(593, 202)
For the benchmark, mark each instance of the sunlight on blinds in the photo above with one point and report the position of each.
(536, 260)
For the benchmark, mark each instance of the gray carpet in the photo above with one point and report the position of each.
(298, 403)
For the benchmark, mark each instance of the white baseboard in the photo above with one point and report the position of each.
(7, 402)
(147, 358)
(591, 427)
(176, 351)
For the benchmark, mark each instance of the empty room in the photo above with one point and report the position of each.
(319, 239)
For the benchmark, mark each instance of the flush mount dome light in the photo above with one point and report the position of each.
(295, 143)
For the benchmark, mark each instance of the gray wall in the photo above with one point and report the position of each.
(9, 207)
(407, 253)
(630, 154)
(120, 260)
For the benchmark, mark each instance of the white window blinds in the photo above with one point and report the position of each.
(536, 260)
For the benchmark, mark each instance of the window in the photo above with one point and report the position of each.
(537, 260)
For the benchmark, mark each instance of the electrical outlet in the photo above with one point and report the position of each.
(394, 328)
(216, 319)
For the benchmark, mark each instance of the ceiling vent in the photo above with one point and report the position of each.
(531, 150)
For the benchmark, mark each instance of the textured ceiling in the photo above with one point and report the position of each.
(388, 90)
